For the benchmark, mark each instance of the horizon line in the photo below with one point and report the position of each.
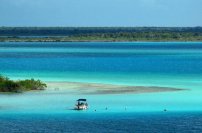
(100, 26)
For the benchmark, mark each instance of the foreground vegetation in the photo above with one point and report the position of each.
(7, 85)
(71, 34)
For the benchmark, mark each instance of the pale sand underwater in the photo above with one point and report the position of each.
(98, 88)
(60, 97)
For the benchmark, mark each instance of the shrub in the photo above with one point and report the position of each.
(7, 85)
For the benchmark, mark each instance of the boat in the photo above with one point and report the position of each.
(81, 104)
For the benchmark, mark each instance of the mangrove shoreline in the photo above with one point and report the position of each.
(100, 34)
(11, 86)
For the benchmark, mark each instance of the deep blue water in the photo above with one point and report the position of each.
(103, 123)
(176, 58)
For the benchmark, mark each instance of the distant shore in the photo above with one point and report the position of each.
(98, 39)
(100, 34)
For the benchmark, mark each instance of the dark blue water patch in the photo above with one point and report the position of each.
(105, 45)
(103, 123)
(101, 62)
(76, 54)
(151, 64)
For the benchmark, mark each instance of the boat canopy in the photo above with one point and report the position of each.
(81, 100)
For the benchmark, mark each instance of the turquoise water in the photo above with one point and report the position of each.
(177, 65)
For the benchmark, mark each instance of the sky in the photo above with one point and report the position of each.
(92, 13)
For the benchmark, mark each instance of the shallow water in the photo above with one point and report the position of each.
(177, 65)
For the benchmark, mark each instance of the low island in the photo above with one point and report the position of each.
(100, 34)
(11, 86)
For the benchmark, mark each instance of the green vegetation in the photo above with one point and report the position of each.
(74, 34)
(7, 85)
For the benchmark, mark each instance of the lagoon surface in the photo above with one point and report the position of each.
(75, 70)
